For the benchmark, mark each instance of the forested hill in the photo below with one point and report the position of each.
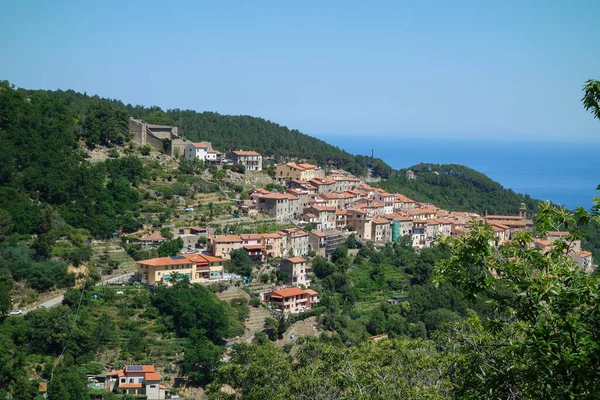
(228, 132)
(457, 188)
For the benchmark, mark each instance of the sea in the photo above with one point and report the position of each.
(564, 172)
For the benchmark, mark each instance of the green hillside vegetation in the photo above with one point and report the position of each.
(457, 188)
(225, 132)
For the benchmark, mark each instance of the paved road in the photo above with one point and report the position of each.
(55, 301)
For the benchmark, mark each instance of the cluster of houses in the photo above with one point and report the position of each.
(203, 151)
(334, 206)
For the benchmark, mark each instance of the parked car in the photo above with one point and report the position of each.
(16, 312)
(120, 292)
(41, 306)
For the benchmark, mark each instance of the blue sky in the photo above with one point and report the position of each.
(436, 68)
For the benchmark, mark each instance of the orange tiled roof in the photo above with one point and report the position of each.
(308, 166)
(163, 261)
(211, 258)
(558, 234)
(296, 260)
(227, 239)
(250, 236)
(311, 292)
(254, 247)
(245, 153)
(322, 181)
(323, 208)
(318, 233)
(130, 385)
(196, 258)
(380, 221)
(288, 292)
(278, 196)
(200, 145)
(152, 376)
(403, 198)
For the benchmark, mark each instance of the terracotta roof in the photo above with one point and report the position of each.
(505, 217)
(161, 261)
(322, 181)
(279, 196)
(318, 233)
(200, 145)
(245, 153)
(380, 221)
(403, 198)
(250, 236)
(584, 253)
(542, 242)
(271, 236)
(118, 373)
(294, 166)
(288, 292)
(558, 234)
(311, 292)
(227, 239)
(308, 166)
(296, 260)
(323, 208)
(130, 385)
(43, 387)
(196, 258)
(152, 376)
(254, 247)
(211, 258)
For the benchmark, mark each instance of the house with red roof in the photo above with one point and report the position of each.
(137, 380)
(293, 300)
(196, 267)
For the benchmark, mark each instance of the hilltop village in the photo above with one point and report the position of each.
(137, 262)
(323, 207)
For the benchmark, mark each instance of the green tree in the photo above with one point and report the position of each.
(545, 345)
(170, 247)
(271, 328)
(201, 358)
(68, 384)
(591, 97)
(239, 263)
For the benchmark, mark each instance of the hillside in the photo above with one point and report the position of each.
(225, 132)
(457, 188)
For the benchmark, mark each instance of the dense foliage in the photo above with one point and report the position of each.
(135, 327)
(458, 188)
(42, 165)
(225, 132)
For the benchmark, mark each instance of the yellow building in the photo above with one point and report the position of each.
(196, 267)
(292, 171)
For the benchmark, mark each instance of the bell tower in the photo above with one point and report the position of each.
(523, 211)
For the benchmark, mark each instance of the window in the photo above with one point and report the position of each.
(140, 380)
(131, 380)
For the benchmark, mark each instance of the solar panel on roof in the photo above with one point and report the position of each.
(134, 368)
(177, 257)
